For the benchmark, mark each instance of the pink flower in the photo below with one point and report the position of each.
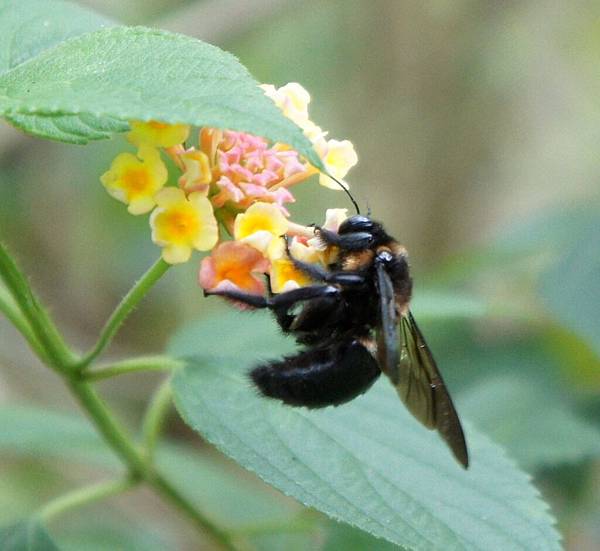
(250, 170)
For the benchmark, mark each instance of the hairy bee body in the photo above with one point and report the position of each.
(355, 323)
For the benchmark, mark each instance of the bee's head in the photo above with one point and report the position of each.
(363, 224)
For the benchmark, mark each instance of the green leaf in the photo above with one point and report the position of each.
(27, 535)
(27, 28)
(533, 422)
(367, 463)
(75, 129)
(138, 73)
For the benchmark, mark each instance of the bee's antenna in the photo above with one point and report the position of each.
(347, 191)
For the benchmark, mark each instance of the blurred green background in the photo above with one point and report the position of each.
(477, 125)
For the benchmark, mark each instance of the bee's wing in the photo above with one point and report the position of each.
(413, 370)
(422, 389)
(388, 350)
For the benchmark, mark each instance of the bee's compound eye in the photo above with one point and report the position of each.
(356, 223)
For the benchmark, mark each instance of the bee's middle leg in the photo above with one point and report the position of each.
(281, 300)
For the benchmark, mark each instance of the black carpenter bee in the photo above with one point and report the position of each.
(355, 323)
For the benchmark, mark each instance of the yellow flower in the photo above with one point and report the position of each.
(180, 224)
(292, 99)
(157, 134)
(135, 180)
(197, 174)
(338, 157)
(299, 248)
(285, 276)
(259, 225)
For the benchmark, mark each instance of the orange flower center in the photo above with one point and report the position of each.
(255, 224)
(181, 224)
(236, 274)
(136, 181)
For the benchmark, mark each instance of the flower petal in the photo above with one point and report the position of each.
(135, 180)
(234, 265)
(180, 223)
(176, 254)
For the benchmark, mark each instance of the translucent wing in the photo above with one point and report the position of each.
(388, 352)
(422, 389)
(413, 371)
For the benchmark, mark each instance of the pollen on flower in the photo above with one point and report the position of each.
(157, 134)
(134, 180)
(259, 225)
(234, 265)
(180, 224)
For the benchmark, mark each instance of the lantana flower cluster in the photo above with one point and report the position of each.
(230, 196)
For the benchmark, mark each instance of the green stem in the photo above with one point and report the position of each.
(108, 425)
(58, 354)
(10, 309)
(147, 363)
(155, 417)
(127, 304)
(83, 496)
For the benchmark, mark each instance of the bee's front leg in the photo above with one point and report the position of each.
(319, 273)
(355, 241)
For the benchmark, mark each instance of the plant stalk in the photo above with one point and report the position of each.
(12, 312)
(59, 357)
(84, 496)
(155, 417)
(124, 308)
(144, 363)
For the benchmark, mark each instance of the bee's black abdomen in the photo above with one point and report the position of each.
(319, 377)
